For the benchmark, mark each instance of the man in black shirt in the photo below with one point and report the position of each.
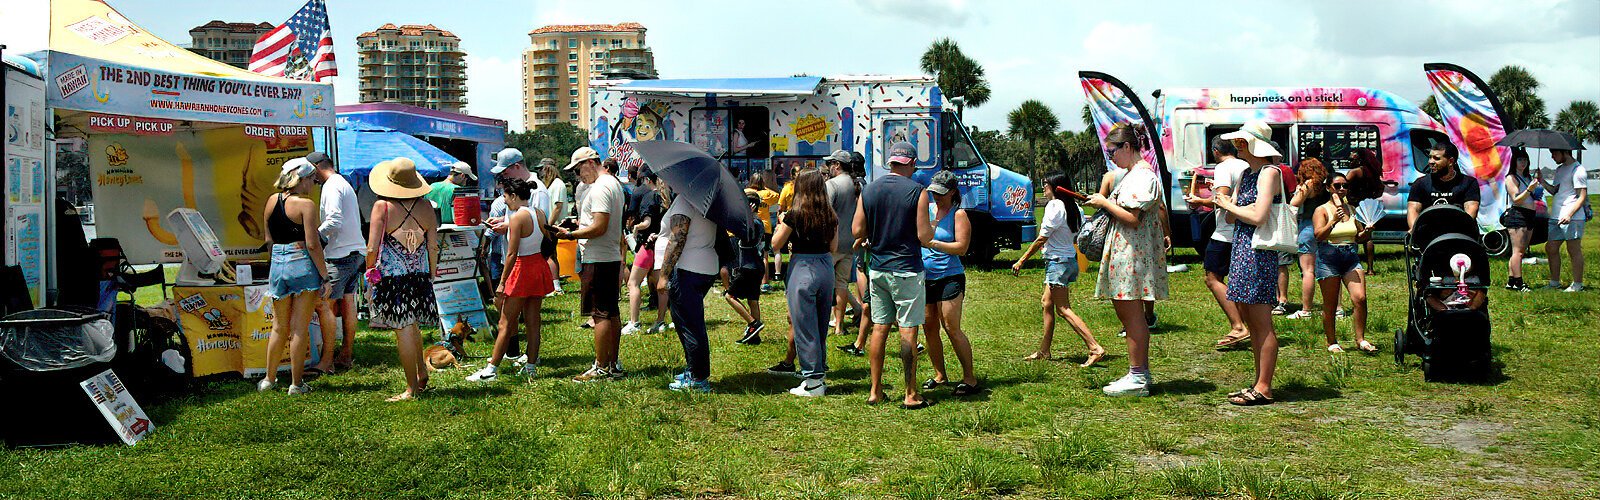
(1444, 184)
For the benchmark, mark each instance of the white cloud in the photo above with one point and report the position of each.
(26, 26)
(934, 13)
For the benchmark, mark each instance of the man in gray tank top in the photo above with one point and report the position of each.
(892, 218)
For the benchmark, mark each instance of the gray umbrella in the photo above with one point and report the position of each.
(700, 180)
(1541, 138)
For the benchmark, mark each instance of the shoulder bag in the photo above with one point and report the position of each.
(1279, 232)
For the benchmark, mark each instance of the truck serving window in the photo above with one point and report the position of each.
(1421, 141)
(958, 150)
(1280, 135)
(1339, 142)
(918, 132)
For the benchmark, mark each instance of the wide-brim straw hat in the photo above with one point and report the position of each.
(397, 178)
(1257, 136)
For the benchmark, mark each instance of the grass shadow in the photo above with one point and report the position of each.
(1300, 392)
(1183, 387)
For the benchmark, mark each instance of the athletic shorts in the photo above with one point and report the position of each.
(897, 298)
(1218, 258)
(946, 288)
(603, 291)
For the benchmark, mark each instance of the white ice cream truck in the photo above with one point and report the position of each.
(773, 126)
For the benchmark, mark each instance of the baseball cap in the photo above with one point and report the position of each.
(292, 171)
(581, 155)
(840, 156)
(463, 168)
(505, 158)
(547, 162)
(317, 157)
(903, 153)
(943, 183)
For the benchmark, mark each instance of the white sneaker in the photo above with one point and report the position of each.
(266, 385)
(630, 329)
(1129, 385)
(810, 388)
(519, 360)
(1576, 287)
(528, 371)
(296, 390)
(487, 374)
(1301, 314)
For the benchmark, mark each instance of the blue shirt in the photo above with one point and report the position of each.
(937, 263)
(890, 206)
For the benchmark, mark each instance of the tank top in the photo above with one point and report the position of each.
(1344, 232)
(1533, 196)
(938, 264)
(529, 245)
(284, 231)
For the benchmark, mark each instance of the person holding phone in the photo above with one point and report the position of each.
(1058, 235)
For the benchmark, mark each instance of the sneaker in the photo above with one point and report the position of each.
(921, 348)
(1280, 309)
(519, 360)
(630, 329)
(616, 371)
(782, 368)
(810, 388)
(1151, 321)
(752, 333)
(689, 385)
(487, 374)
(1129, 385)
(658, 328)
(595, 373)
(528, 371)
(766, 288)
(296, 390)
(266, 385)
(1341, 313)
(852, 350)
(1551, 286)
(1301, 314)
(1576, 287)
(586, 325)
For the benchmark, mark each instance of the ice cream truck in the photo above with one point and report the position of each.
(773, 127)
(1339, 119)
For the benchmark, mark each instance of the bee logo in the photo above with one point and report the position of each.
(116, 156)
(216, 321)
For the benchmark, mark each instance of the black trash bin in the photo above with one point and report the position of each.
(44, 355)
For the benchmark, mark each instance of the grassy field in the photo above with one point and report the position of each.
(1345, 426)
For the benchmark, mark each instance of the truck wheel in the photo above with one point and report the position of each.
(1497, 243)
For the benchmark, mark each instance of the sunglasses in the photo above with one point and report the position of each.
(1338, 185)
(1113, 149)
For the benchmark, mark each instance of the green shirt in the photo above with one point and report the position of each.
(441, 193)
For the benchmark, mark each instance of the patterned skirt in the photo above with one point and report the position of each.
(399, 301)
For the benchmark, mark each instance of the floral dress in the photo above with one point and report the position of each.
(1134, 266)
(1252, 274)
(404, 295)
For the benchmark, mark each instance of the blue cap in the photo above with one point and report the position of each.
(903, 153)
(506, 158)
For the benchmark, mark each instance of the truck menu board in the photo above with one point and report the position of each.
(1338, 141)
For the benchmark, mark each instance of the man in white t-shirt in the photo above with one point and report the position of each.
(345, 253)
(692, 266)
(1219, 251)
(599, 236)
(1568, 213)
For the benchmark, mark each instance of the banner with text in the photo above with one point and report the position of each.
(89, 84)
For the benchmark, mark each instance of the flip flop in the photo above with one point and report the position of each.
(932, 384)
(1367, 347)
(1250, 398)
(1229, 341)
(924, 403)
(962, 389)
(1335, 348)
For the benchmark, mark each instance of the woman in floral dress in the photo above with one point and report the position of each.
(1253, 274)
(1133, 269)
(401, 262)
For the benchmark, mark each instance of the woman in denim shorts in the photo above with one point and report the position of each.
(1058, 234)
(1338, 233)
(297, 275)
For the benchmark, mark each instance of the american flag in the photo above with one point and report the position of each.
(308, 42)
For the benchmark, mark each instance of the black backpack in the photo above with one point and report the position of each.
(742, 257)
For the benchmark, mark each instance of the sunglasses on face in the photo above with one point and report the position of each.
(1338, 185)
(1113, 149)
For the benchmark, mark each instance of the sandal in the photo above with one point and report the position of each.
(1093, 358)
(1249, 397)
(920, 404)
(1367, 347)
(932, 384)
(962, 389)
(1334, 348)
(1230, 340)
(1037, 356)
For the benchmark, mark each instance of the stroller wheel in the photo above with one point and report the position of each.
(1400, 346)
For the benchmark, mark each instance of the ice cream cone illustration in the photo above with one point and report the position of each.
(152, 222)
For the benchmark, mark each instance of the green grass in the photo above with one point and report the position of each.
(1346, 426)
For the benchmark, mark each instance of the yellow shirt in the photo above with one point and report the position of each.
(768, 197)
(787, 198)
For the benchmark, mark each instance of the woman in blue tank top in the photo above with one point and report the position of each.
(946, 282)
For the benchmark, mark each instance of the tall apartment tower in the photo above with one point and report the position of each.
(230, 43)
(419, 65)
(556, 70)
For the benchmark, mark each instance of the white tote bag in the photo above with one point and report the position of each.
(1279, 232)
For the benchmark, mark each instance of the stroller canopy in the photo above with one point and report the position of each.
(1440, 220)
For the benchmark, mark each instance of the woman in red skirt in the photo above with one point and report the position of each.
(524, 283)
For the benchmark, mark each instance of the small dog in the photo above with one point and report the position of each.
(448, 352)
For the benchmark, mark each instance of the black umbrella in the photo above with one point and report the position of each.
(1541, 138)
(700, 180)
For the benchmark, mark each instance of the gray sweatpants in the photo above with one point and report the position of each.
(810, 294)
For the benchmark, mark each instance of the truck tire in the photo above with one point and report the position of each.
(980, 254)
(1497, 243)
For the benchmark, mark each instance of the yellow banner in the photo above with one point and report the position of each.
(224, 173)
(213, 320)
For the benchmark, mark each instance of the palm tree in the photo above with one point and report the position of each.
(1582, 120)
(1518, 91)
(1088, 118)
(1032, 121)
(957, 74)
(1431, 107)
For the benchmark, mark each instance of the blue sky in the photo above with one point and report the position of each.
(1031, 49)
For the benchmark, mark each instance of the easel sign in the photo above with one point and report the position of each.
(458, 245)
(118, 406)
(459, 301)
